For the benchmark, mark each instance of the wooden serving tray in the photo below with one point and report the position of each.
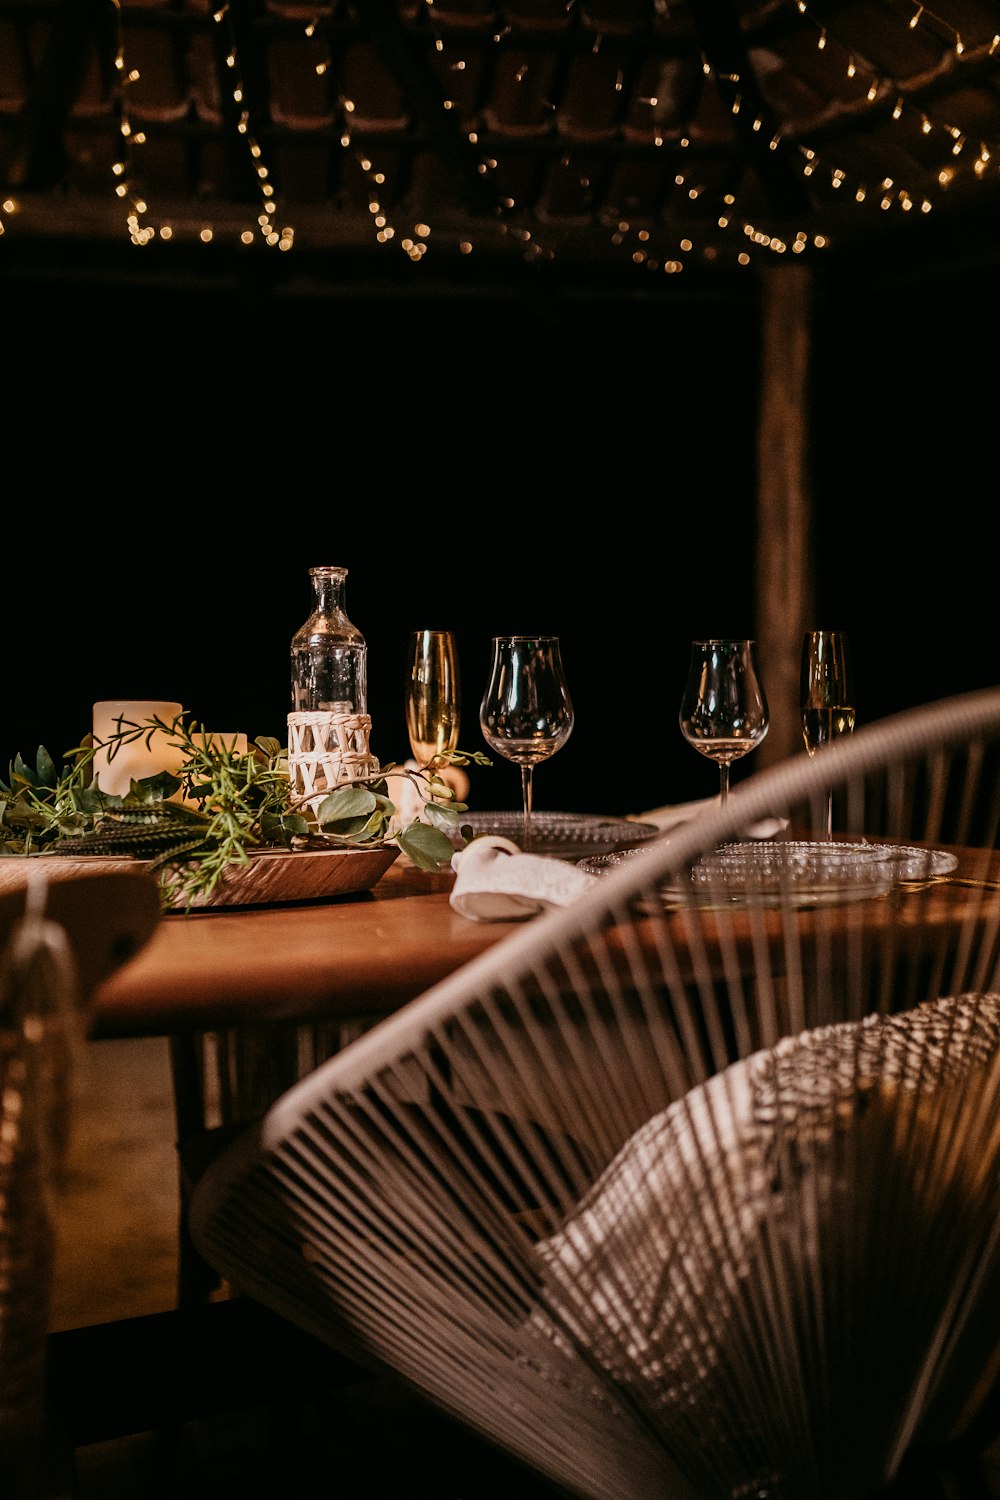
(273, 876)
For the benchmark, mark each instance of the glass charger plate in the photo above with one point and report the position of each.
(566, 835)
(807, 873)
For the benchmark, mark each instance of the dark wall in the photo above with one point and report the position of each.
(484, 466)
(177, 459)
(903, 463)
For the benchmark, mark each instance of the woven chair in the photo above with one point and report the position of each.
(57, 941)
(690, 1189)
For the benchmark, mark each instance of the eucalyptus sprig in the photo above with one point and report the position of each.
(361, 813)
(195, 826)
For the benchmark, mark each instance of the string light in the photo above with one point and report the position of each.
(265, 220)
(124, 169)
(878, 87)
(643, 242)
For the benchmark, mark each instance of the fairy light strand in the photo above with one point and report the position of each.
(124, 169)
(653, 246)
(880, 87)
(283, 238)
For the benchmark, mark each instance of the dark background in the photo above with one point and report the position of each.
(521, 458)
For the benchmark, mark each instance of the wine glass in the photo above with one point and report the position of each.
(723, 711)
(433, 695)
(826, 693)
(526, 714)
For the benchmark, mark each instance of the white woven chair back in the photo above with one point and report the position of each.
(692, 1188)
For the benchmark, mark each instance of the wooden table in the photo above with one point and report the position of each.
(359, 955)
(366, 954)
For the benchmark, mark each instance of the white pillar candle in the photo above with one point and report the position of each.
(135, 760)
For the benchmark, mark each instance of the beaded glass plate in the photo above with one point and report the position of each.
(566, 835)
(807, 873)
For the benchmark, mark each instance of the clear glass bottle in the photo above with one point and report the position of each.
(329, 654)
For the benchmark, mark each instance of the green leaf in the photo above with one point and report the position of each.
(46, 767)
(427, 847)
(466, 758)
(293, 824)
(23, 772)
(150, 789)
(91, 800)
(74, 823)
(345, 802)
(356, 830)
(442, 817)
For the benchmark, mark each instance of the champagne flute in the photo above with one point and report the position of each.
(826, 694)
(433, 695)
(526, 714)
(723, 711)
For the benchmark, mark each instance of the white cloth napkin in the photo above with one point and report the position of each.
(495, 882)
(674, 813)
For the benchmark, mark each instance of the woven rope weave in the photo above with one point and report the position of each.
(327, 750)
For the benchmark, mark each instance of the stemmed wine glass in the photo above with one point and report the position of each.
(826, 693)
(433, 695)
(526, 714)
(723, 711)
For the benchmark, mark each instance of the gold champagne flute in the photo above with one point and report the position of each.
(827, 694)
(433, 695)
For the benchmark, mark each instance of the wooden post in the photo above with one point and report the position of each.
(784, 570)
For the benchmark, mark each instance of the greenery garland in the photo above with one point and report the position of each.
(233, 803)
